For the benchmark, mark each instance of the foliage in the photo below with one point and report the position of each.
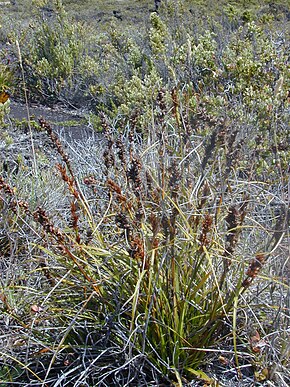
(124, 69)
(149, 249)
(6, 77)
(139, 259)
(53, 57)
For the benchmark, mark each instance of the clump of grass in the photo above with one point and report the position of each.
(163, 249)
(153, 251)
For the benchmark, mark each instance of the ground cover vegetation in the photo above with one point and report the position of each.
(156, 253)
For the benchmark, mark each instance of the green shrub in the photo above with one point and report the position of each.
(6, 79)
(55, 58)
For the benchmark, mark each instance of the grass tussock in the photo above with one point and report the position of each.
(158, 254)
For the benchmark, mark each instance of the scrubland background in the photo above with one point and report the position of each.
(144, 218)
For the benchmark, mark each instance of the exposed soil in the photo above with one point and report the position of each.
(71, 124)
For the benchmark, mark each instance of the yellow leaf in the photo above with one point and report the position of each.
(201, 375)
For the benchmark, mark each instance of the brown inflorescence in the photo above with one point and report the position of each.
(254, 269)
(134, 174)
(75, 218)
(114, 187)
(133, 120)
(70, 181)
(121, 151)
(137, 248)
(109, 159)
(41, 217)
(195, 218)
(175, 102)
(122, 221)
(121, 199)
(206, 228)
(233, 221)
(56, 142)
(155, 224)
(161, 104)
(91, 182)
(20, 204)
(6, 187)
(15, 203)
(104, 123)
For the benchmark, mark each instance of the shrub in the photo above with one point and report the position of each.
(6, 78)
(55, 58)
